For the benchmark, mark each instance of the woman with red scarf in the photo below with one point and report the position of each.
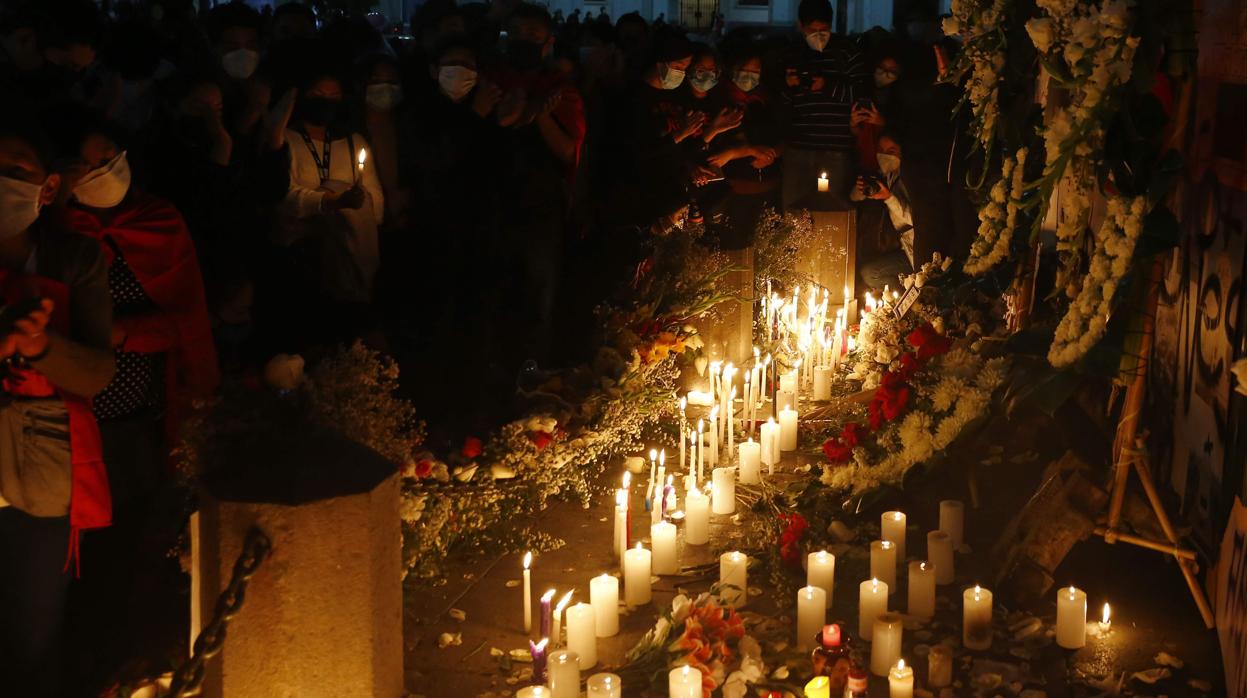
(55, 356)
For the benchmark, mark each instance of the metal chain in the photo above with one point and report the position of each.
(188, 679)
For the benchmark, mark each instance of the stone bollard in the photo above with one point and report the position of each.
(323, 614)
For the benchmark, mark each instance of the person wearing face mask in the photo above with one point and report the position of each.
(823, 77)
(165, 357)
(382, 90)
(335, 201)
(890, 251)
(719, 116)
(234, 30)
(53, 484)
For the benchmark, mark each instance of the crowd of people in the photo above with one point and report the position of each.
(183, 195)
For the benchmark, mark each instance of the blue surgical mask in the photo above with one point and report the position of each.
(746, 80)
(704, 80)
(672, 78)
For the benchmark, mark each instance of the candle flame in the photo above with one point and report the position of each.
(662, 457)
(897, 516)
(546, 597)
(900, 665)
(627, 480)
(638, 545)
(683, 403)
(822, 176)
(528, 559)
(922, 566)
(886, 545)
(558, 608)
(542, 645)
(874, 583)
(685, 669)
(1104, 617)
(653, 454)
(809, 592)
(1072, 592)
(363, 155)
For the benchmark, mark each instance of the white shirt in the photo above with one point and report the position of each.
(307, 189)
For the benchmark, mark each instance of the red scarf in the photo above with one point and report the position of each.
(157, 247)
(90, 501)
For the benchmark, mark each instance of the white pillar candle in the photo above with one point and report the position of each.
(921, 589)
(770, 445)
(811, 614)
(621, 524)
(1071, 618)
(885, 643)
(824, 184)
(872, 602)
(582, 634)
(787, 429)
(952, 521)
(883, 562)
(939, 666)
(785, 397)
(684, 682)
(604, 596)
(788, 382)
(563, 674)
(696, 518)
(750, 455)
(533, 692)
(636, 568)
(976, 618)
(662, 540)
(724, 490)
(901, 681)
(701, 450)
(820, 571)
(733, 578)
(940, 556)
(893, 529)
(604, 685)
(822, 383)
(528, 593)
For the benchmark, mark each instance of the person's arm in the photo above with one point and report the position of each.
(898, 208)
(82, 363)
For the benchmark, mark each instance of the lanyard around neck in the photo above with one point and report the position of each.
(322, 160)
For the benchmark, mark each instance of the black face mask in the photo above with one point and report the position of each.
(319, 111)
(524, 55)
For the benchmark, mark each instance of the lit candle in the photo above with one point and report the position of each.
(733, 578)
(701, 450)
(787, 429)
(684, 682)
(359, 160)
(696, 518)
(1106, 621)
(537, 650)
(901, 681)
(883, 563)
(824, 184)
(818, 687)
(811, 613)
(604, 596)
(770, 445)
(564, 670)
(939, 666)
(556, 632)
(627, 502)
(872, 603)
(731, 421)
(952, 521)
(547, 612)
(822, 383)
(637, 576)
(621, 524)
(921, 589)
(604, 686)
(582, 634)
(724, 491)
(885, 643)
(714, 435)
(976, 619)
(750, 455)
(662, 540)
(820, 571)
(533, 692)
(893, 527)
(528, 593)
(940, 556)
(1071, 618)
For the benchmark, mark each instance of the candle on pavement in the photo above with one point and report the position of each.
(872, 603)
(604, 685)
(885, 643)
(662, 540)
(787, 429)
(901, 681)
(976, 618)
(921, 589)
(604, 595)
(893, 529)
(684, 682)
(733, 578)
(637, 569)
(939, 666)
(883, 563)
(582, 634)
(811, 613)
(724, 492)
(563, 668)
(940, 556)
(750, 454)
(1071, 618)
(820, 571)
(528, 593)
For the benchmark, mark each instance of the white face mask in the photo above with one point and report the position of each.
(456, 81)
(383, 96)
(817, 40)
(672, 78)
(889, 164)
(105, 186)
(746, 80)
(240, 63)
(21, 203)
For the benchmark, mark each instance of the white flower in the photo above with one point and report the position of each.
(681, 606)
(915, 433)
(946, 393)
(1042, 33)
(886, 353)
(284, 371)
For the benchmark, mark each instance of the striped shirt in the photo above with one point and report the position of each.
(819, 119)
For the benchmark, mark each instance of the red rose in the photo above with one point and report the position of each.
(840, 448)
(540, 439)
(889, 401)
(424, 468)
(472, 447)
(928, 342)
(910, 365)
